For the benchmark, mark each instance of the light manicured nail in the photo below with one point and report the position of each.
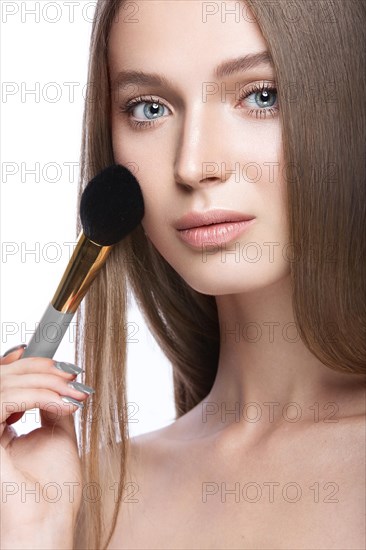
(9, 351)
(81, 387)
(67, 399)
(68, 367)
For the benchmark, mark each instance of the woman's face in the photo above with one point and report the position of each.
(195, 142)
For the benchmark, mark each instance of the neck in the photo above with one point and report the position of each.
(265, 370)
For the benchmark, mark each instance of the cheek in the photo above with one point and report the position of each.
(142, 163)
(268, 180)
(158, 200)
(155, 224)
(257, 159)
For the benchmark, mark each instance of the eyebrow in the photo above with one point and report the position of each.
(226, 68)
(231, 66)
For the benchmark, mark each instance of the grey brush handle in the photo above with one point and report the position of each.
(49, 333)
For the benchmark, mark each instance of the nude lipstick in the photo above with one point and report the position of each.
(212, 227)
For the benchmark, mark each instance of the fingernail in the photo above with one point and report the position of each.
(67, 399)
(81, 387)
(14, 349)
(68, 367)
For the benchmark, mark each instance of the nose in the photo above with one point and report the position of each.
(200, 158)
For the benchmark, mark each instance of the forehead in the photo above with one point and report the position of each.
(181, 36)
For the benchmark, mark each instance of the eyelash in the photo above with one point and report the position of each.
(140, 124)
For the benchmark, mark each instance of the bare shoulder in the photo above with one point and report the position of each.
(146, 456)
(147, 449)
(139, 451)
(171, 438)
(328, 454)
(136, 455)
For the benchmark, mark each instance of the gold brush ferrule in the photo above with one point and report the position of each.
(88, 258)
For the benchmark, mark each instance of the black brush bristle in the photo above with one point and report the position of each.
(111, 205)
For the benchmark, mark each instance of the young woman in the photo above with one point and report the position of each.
(247, 116)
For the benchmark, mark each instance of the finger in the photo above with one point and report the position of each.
(40, 365)
(64, 421)
(19, 346)
(12, 355)
(9, 356)
(46, 400)
(10, 365)
(49, 418)
(38, 381)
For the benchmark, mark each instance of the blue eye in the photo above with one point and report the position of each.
(265, 97)
(150, 109)
(263, 103)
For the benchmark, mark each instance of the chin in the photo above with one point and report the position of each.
(213, 283)
(215, 277)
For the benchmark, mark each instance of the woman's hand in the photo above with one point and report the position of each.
(40, 472)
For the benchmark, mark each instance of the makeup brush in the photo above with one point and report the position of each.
(111, 207)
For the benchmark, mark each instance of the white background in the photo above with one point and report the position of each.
(44, 46)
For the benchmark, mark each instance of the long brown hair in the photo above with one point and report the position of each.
(319, 60)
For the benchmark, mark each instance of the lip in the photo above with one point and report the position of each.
(215, 227)
(198, 219)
